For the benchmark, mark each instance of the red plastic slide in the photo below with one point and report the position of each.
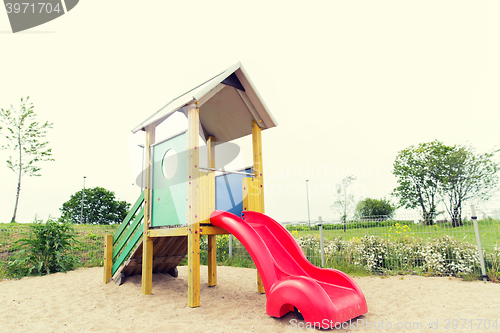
(325, 297)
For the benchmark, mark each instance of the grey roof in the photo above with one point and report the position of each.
(228, 103)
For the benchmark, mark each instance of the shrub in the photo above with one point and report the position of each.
(46, 250)
(493, 265)
(449, 256)
(402, 252)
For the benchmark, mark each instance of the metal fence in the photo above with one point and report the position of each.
(89, 248)
(405, 244)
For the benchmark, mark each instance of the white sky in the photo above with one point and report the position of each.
(350, 83)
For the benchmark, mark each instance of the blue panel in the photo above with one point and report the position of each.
(229, 192)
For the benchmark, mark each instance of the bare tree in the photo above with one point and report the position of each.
(345, 200)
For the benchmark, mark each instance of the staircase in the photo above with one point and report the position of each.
(168, 252)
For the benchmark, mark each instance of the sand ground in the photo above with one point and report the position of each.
(78, 301)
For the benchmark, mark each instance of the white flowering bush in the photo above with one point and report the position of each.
(400, 251)
(371, 252)
(310, 245)
(448, 255)
(493, 264)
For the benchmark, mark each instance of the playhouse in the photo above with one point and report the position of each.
(178, 205)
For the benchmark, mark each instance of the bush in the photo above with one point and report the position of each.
(449, 256)
(493, 265)
(402, 252)
(241, 257)
(46, 250)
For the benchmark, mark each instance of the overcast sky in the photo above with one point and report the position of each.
(350, 83)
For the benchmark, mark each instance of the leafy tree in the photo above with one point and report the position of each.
(432, 171)
(382, 208)
(25, 136)
(345, 200)
(99, 207)
(467, 175)
(418, 171)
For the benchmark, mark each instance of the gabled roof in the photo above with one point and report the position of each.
(228, 103)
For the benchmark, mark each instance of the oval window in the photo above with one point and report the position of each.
(169, 164)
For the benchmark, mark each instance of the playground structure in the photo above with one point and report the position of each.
(178, 206)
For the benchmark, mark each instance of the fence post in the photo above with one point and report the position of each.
(479, 246)
(230, 246)
(321, 245)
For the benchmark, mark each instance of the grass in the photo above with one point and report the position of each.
(489, 231)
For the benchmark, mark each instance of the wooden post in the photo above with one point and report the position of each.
(246, 192)
(212, 239)
(108, 257)
(147, 242)
(193, 211)
(258, 182)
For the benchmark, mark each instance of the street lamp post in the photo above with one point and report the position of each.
(83, 198)
(307, 190)
(142, 167)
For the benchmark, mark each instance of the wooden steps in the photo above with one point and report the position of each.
(168, 252)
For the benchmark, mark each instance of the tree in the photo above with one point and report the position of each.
(25, 138)
(467, 175)
(418, 171)
(381, 208)
(432, 171)
(99, 207)
(344, 201)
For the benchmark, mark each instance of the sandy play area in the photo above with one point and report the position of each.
(78, 301)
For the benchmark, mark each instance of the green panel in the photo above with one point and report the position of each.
(169, 195)
(128, 233)
(127, 219)
(137, 236)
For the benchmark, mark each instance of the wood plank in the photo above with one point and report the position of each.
(249, 105)
(210, 94)
(127, 219)
(133, 242)
(168, 232)
(245, 188)
(212, 230)
(258, 181)
(123, 241)
(147, 242)
(193, 207)
(119, 279)
(212, 233)
(108, 257)
(174, 247)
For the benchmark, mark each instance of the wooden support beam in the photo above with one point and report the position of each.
(249, 105)
(167, 232)
(193, 209)
(258, 167)
(212, 238)
(258, 181)
(211, 230)
(147, 242)
(108, 257)
(211, 94)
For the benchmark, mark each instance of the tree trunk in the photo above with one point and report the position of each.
(17, 198)
(18, 180)
(456, 218)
